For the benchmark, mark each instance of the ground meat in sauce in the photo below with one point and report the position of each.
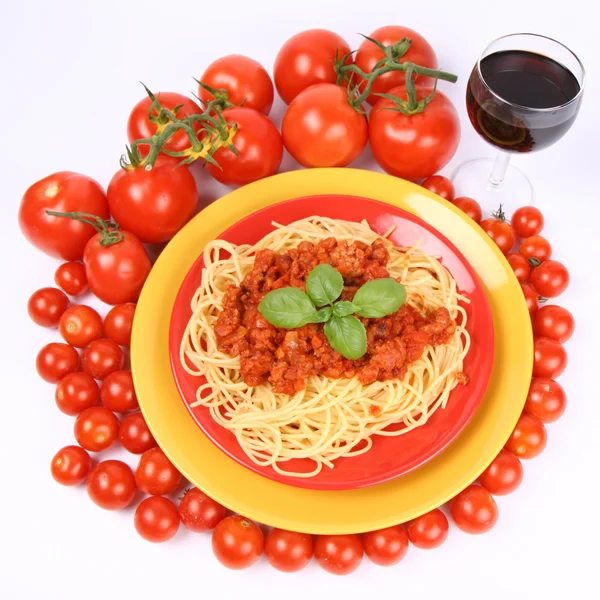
(285, 358)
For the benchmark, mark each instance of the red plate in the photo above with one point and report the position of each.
(389, 457)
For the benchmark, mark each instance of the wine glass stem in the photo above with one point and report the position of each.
(499, 169)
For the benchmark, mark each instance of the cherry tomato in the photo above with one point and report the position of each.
(321, 129)
(440, 185)
(134, 434)
(504, 475)
(46, 306)
(554, 322)
(531, 297)
(76, 392)
(102, 357)
(429, 530)
(418, 145)
(419, 52)
(527, 221)
(155, 473)
(154, 205)
(501, 232)
(520, 265)
(54, 361)
(118, 323)
(61, 192)
(80, 325)
(199, 512)
(117, 392)
(528, 438)
(550, 279)
(71, 278)
(96, 428)
(550, 358)
(71, 465)
(474, 510)
(386, 547)
(470, 207)
(339, 554)
(536, 246)
(139, 125)
(156, 519)
(259, 147)
(306, 59)
(237, 542)
(546, 399)
(288, 551)
(111, 485)
(244, 79)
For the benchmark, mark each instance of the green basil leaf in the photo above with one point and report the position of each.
(347, 336)
(322, 316)
(324, 284)
(344, 308)
(379, 298)
(287, 307)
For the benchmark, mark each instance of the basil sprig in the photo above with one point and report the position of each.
(290, 307)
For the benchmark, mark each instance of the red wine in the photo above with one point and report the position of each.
(505, 107)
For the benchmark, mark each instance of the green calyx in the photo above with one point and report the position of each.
(109, 232)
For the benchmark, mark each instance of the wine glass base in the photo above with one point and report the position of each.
(472, 179)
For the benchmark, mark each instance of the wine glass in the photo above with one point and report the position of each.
(523, 95)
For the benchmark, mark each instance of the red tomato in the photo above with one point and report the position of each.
(429, 530)
(102, 357)
(501, 232)
(117, 392)
(54, 361)
(527, 221)
(321, 129)
(46, 306)
(96, 429)
(536, 246)
(554, 322)
(528, 438)
(418, 145)
(546, 399)
(237, 542)
(469, 206)
(76, 392)
(288, 551)
(474, 510)
(244, 79)
(420, 53)
(339, 554)
(80, 325)
(61, 192)
(550, 358)
(504, 475)
(71, 465)
(71, 278)
(111, 485)
(550, 279)
(440, 185)
(520, 265)
(199, 512)
(531, 297)
(155, 474)
(306, 59)
(139, 125)
(118, 323)
(156, 519)
(154, 205)
(134, 434)
(386, 547)
(259, 147)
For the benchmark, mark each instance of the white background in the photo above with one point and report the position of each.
(70, 72)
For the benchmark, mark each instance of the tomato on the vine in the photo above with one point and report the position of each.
(71, 278)
(501, 232)
(118, 323)
(386, 547)
(258, 144)
(76, 392)
(288, 551)
(531, 297)
(527, 221)
(134, 434)
(528, 438)
(440, 185)
(102, 357)
(155, 474)
(117, 392)
(321, 129)
(429, 530)
(54, 361)
(550, 358)
(474, 510)
(46, 306)
(470, 207)
(537, 247)
(96, 428)
(554, 322)
(80, 325)
(520, 266)
(237, 542)
(111, 485)
(550, 279)
(504, 475)
(306, 59)
(244, 79)
(199, 512)
(156, 519)
(546, 399)
(61, 192)
(71, 465)
(339, 554)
